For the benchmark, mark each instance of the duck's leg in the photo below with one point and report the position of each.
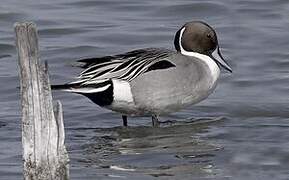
(155, 121)
(124, 120)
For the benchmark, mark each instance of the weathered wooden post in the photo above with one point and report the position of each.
(45, 156)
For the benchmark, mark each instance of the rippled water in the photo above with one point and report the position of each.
(240, 132)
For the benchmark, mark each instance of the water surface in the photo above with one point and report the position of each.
(240, 132)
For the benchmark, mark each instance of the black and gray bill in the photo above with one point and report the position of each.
(216, 55)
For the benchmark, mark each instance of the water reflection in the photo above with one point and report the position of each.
(173, 149)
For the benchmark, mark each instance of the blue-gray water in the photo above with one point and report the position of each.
(241, 130)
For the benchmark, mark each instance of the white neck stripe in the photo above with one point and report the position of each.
(214, 68)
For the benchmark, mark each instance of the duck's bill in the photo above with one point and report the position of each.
(216, 55)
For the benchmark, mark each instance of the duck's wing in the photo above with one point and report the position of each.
(123, 66)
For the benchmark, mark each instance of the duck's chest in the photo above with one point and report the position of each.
(207, 73)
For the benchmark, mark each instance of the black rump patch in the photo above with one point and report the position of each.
(103, 98)
(160, 65)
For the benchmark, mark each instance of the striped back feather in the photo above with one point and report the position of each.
(123, 66)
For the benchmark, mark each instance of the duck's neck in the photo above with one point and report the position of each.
(212, 65)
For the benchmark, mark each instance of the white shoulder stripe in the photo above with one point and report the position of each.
(122, 91)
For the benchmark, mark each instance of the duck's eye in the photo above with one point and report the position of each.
(209, 35)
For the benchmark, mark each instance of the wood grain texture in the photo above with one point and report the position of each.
(44, 152)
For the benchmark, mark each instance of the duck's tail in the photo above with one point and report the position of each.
(60, 87)
(101, 93)
(64, 87)
(83, 89)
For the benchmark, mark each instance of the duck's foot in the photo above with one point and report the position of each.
(155, 121)
(124, 120)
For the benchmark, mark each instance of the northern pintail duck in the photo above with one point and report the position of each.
(154, 81)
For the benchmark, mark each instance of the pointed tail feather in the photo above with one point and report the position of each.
(83, 89)
(64, 87)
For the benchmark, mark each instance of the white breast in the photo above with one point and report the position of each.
(212, 65)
